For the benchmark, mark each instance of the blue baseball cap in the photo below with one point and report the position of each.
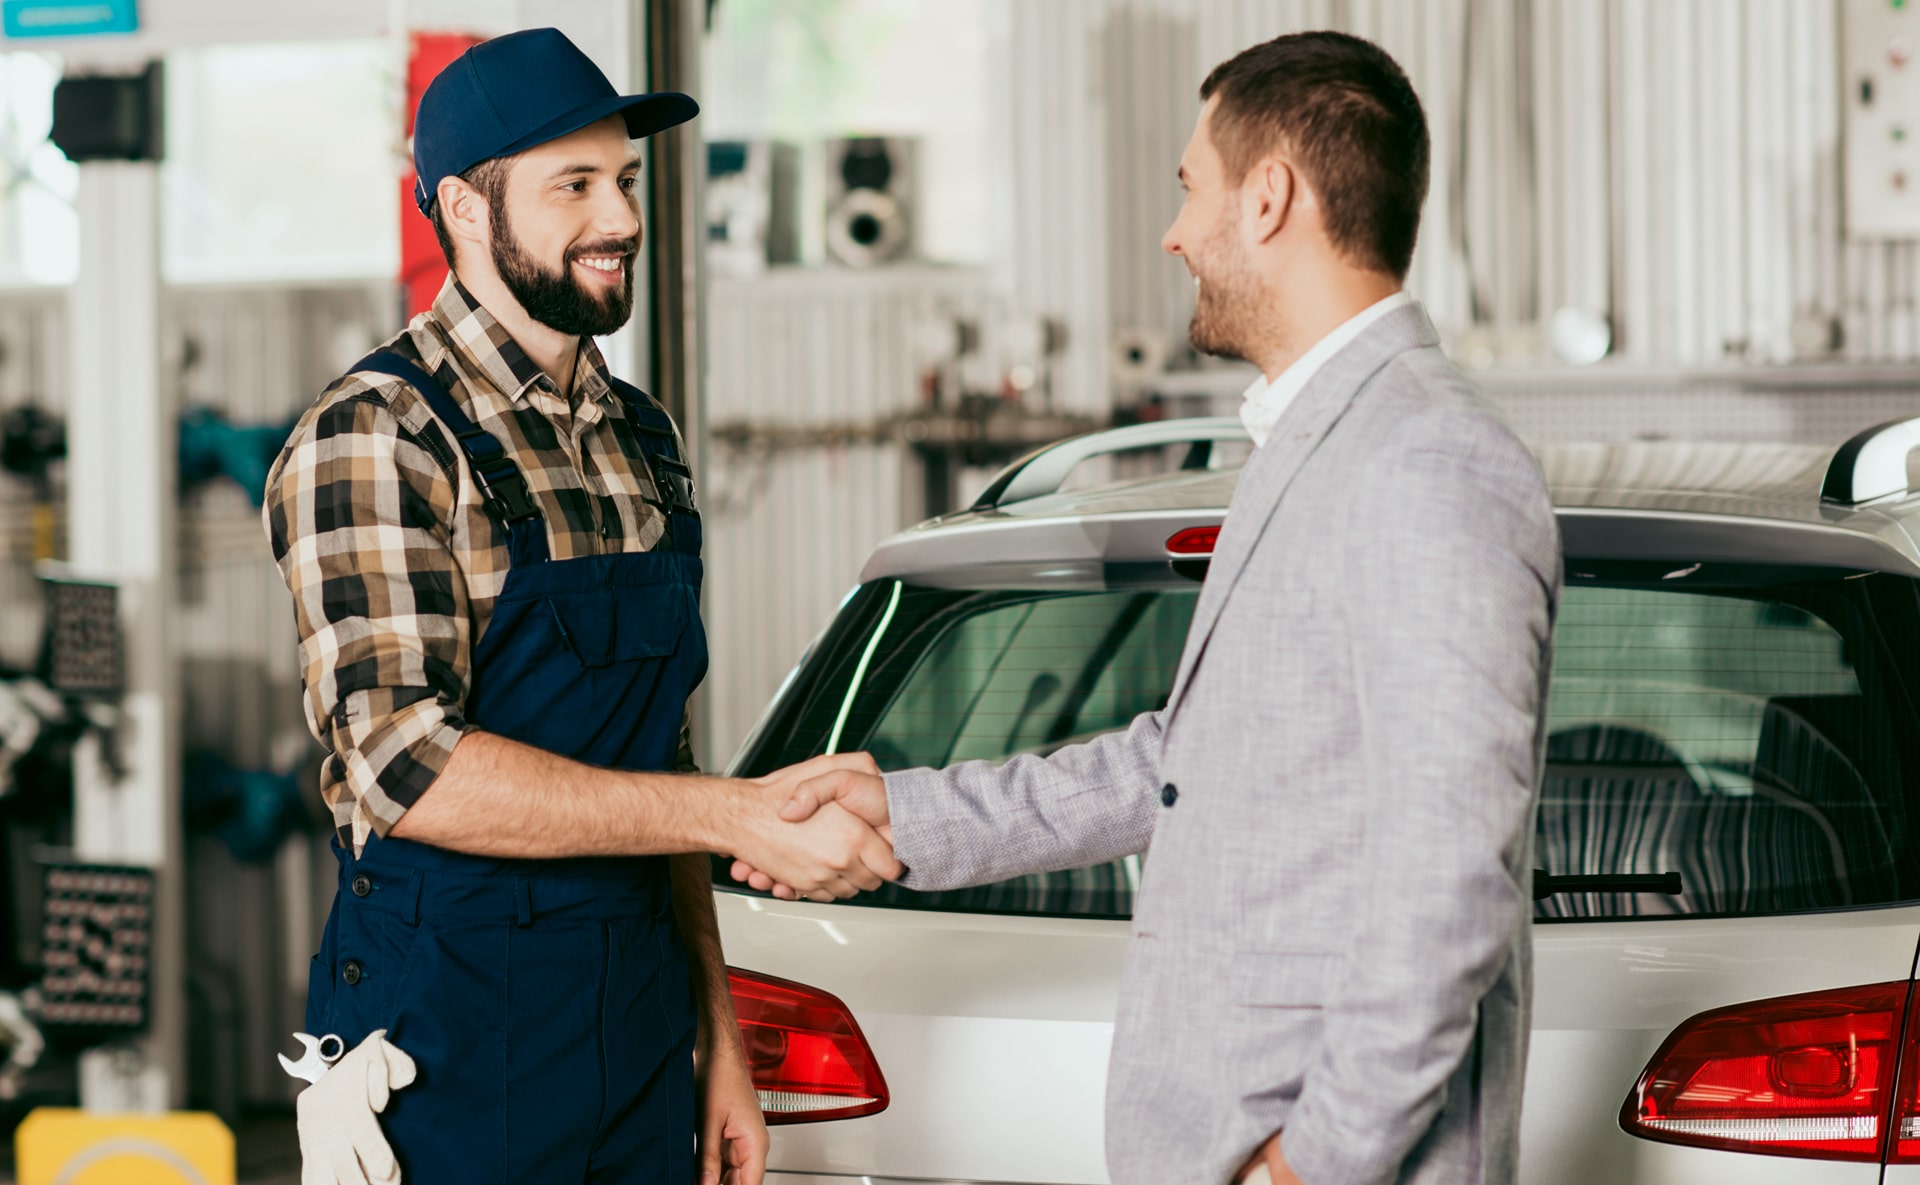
(514, 92)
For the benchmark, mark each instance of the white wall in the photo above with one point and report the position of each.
(788, 528)
(1670, 162)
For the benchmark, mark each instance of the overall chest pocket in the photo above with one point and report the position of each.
(601, 626)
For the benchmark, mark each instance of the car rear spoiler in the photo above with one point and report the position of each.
(1873, 465)
(1044, 470)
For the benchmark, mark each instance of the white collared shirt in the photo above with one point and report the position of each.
(1267, 399)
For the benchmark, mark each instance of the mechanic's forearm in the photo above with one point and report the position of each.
(497, 797)
(700, 932)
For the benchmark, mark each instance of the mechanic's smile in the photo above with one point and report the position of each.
(610, 267)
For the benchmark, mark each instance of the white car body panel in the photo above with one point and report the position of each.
(993, 1033)
(1606, 994)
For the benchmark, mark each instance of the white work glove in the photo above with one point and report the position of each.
(340, 1140)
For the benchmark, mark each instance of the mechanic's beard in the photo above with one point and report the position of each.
(556, 299)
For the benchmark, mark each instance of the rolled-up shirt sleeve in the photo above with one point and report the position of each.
(358, 514)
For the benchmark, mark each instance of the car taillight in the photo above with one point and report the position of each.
(1808, 1076)
(808, 1058)
(1904, 1144)
(1193, 541)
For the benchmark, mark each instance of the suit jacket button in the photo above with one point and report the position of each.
(351, 972)
(362, 885)
(1169, 793)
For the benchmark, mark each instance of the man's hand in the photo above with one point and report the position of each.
(823, 851)
(852, 783)
(733, 1133)
(1270, 1159)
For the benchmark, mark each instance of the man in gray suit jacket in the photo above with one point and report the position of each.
(1329, 972)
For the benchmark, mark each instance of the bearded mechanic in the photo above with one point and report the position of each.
(493, 549)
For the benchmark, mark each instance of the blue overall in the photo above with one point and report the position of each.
(546, 1003)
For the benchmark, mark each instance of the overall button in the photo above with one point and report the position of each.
(351, 972)
(362, 885)
(1168, 794)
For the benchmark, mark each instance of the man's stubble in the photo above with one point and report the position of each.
(1227, 309)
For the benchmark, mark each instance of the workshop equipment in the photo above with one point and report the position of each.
(29, 712)
(61, 1146)
(96, 949)
(20, 1045)
(212, 446)
(753, 205)
(83, 653)
(31, 441)
(251, 810)
(871, 218)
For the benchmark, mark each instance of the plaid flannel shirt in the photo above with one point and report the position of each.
(393, 561)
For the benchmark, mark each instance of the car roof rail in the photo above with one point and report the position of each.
(1044, 470)
(1873, 465)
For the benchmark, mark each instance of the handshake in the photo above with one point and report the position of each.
(828, 836)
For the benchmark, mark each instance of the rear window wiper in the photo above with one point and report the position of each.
(1545, 884)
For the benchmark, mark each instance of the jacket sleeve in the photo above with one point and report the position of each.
(1453, 569)
(978, 822)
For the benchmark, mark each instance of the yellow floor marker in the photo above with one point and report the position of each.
(59, 1146)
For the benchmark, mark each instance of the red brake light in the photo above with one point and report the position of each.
(1808, 1076)
(1904, 1147)
(1193, 541)
(808, 1058)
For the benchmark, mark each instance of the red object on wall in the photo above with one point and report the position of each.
(422, 268)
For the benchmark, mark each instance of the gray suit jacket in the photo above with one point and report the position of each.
(1332, 933)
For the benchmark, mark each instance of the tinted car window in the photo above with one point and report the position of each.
(957, 675)
(1757, 741)
(1028, 674)
(1751, 729)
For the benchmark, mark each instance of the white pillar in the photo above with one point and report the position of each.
(122, 528)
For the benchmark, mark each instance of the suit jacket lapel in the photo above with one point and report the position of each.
(1269, 473)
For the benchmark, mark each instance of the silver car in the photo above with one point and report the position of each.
(1728, 884)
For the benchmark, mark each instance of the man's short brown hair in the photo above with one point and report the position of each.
(1345, 113)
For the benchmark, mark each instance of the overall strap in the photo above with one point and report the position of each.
(502, 486)
(672, 477)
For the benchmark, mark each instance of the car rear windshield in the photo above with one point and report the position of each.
(1732, 739)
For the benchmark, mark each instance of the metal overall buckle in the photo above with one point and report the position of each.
(505, 492)
(674, 482)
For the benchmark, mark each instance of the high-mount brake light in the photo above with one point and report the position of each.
(1193, 541)
(808, 1058)
(1806, 1076)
